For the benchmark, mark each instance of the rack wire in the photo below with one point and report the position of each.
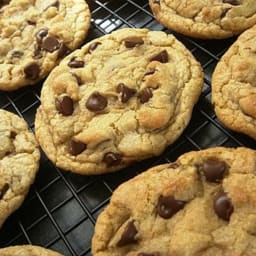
(61, 208)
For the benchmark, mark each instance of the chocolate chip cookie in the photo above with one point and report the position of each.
(234, 85)
(123, 97)
(27, 250)
(204, 204)
(208, 19)
(35, 35)
(19, 161)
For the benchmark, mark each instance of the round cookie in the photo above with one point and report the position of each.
(204, 204)
(27, 250)
(19, 162)
(35, 35)
(234, 85)
(206, 19)
(123, 97)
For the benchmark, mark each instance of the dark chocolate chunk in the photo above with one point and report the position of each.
(223, 206)
(214, 170)
(167, 206)
(65, 106)
(96, 102)
(126, 92)
(31, 22)
(63, 51)
(4, 2)
(78, 79)
(149, 254)
(3, 190)
(128, 236)
(161, 57)
(93, 46)
(17, 54)
(77, 147)
(145, 95)
(112, 159)
(233, 2)
(41, 34)
(32, 71)
(50, 44)
(150, 72)
(13, 135)
(133, 41)
(37, 52)
(74, 63)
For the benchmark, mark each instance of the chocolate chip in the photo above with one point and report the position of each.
(128, 236)
(96, 102)
(222, 205)
(167, 206)
(63, 51)
(224, 13)
(93, 46)
(145, 95)
(41, 34)
(156, 1)
(214, 170)
(78, 79)
(161, 57)
(17, 54)
(32, 71)
(74, 63)
(77, 147)
(133, 41)
(50, 44)
(4, 2)
(65, 106)
(3, 190)
(233, 2)
(13, 135)
(126, 92)
(31, 22)
(150, 72)
(149, 254)
(112, 159)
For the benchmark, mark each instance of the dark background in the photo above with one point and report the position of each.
(61, 208)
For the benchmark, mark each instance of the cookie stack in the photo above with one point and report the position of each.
(125, 97)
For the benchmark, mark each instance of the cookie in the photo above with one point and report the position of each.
(35, 35)
(234, 85)
(208, 19)
(19, 162)
(27, 250)
(204, 204)
(123, 97)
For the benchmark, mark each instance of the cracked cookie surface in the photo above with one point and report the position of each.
(206, 19)
(121, 98)
(27, 250)
(204, 204)
(234, 85)
(19, 162)
(35, 35)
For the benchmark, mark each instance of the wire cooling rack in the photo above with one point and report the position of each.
(61, 208)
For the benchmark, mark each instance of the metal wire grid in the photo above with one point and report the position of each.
(61, 208)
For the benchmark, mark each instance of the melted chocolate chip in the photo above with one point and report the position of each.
(112, 159)
(149, 254)
(133, 41)
(96, 102)
(78, 79)
(50, 44)
(74, 63)
(161, 57)
(63, 51)
(17, 54)
(233, 2)
(3, 190)
(65, 106)
(126, 92)
(214, 170)
(223, 206)
(150, 72)
(31, 22)
(41, 34)
(32, 71)
(37, 52)
(77, 147)
(167, 206)
(145, 95)
(93, 46)
(128, 236)
(13, 135)
(4, 2)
